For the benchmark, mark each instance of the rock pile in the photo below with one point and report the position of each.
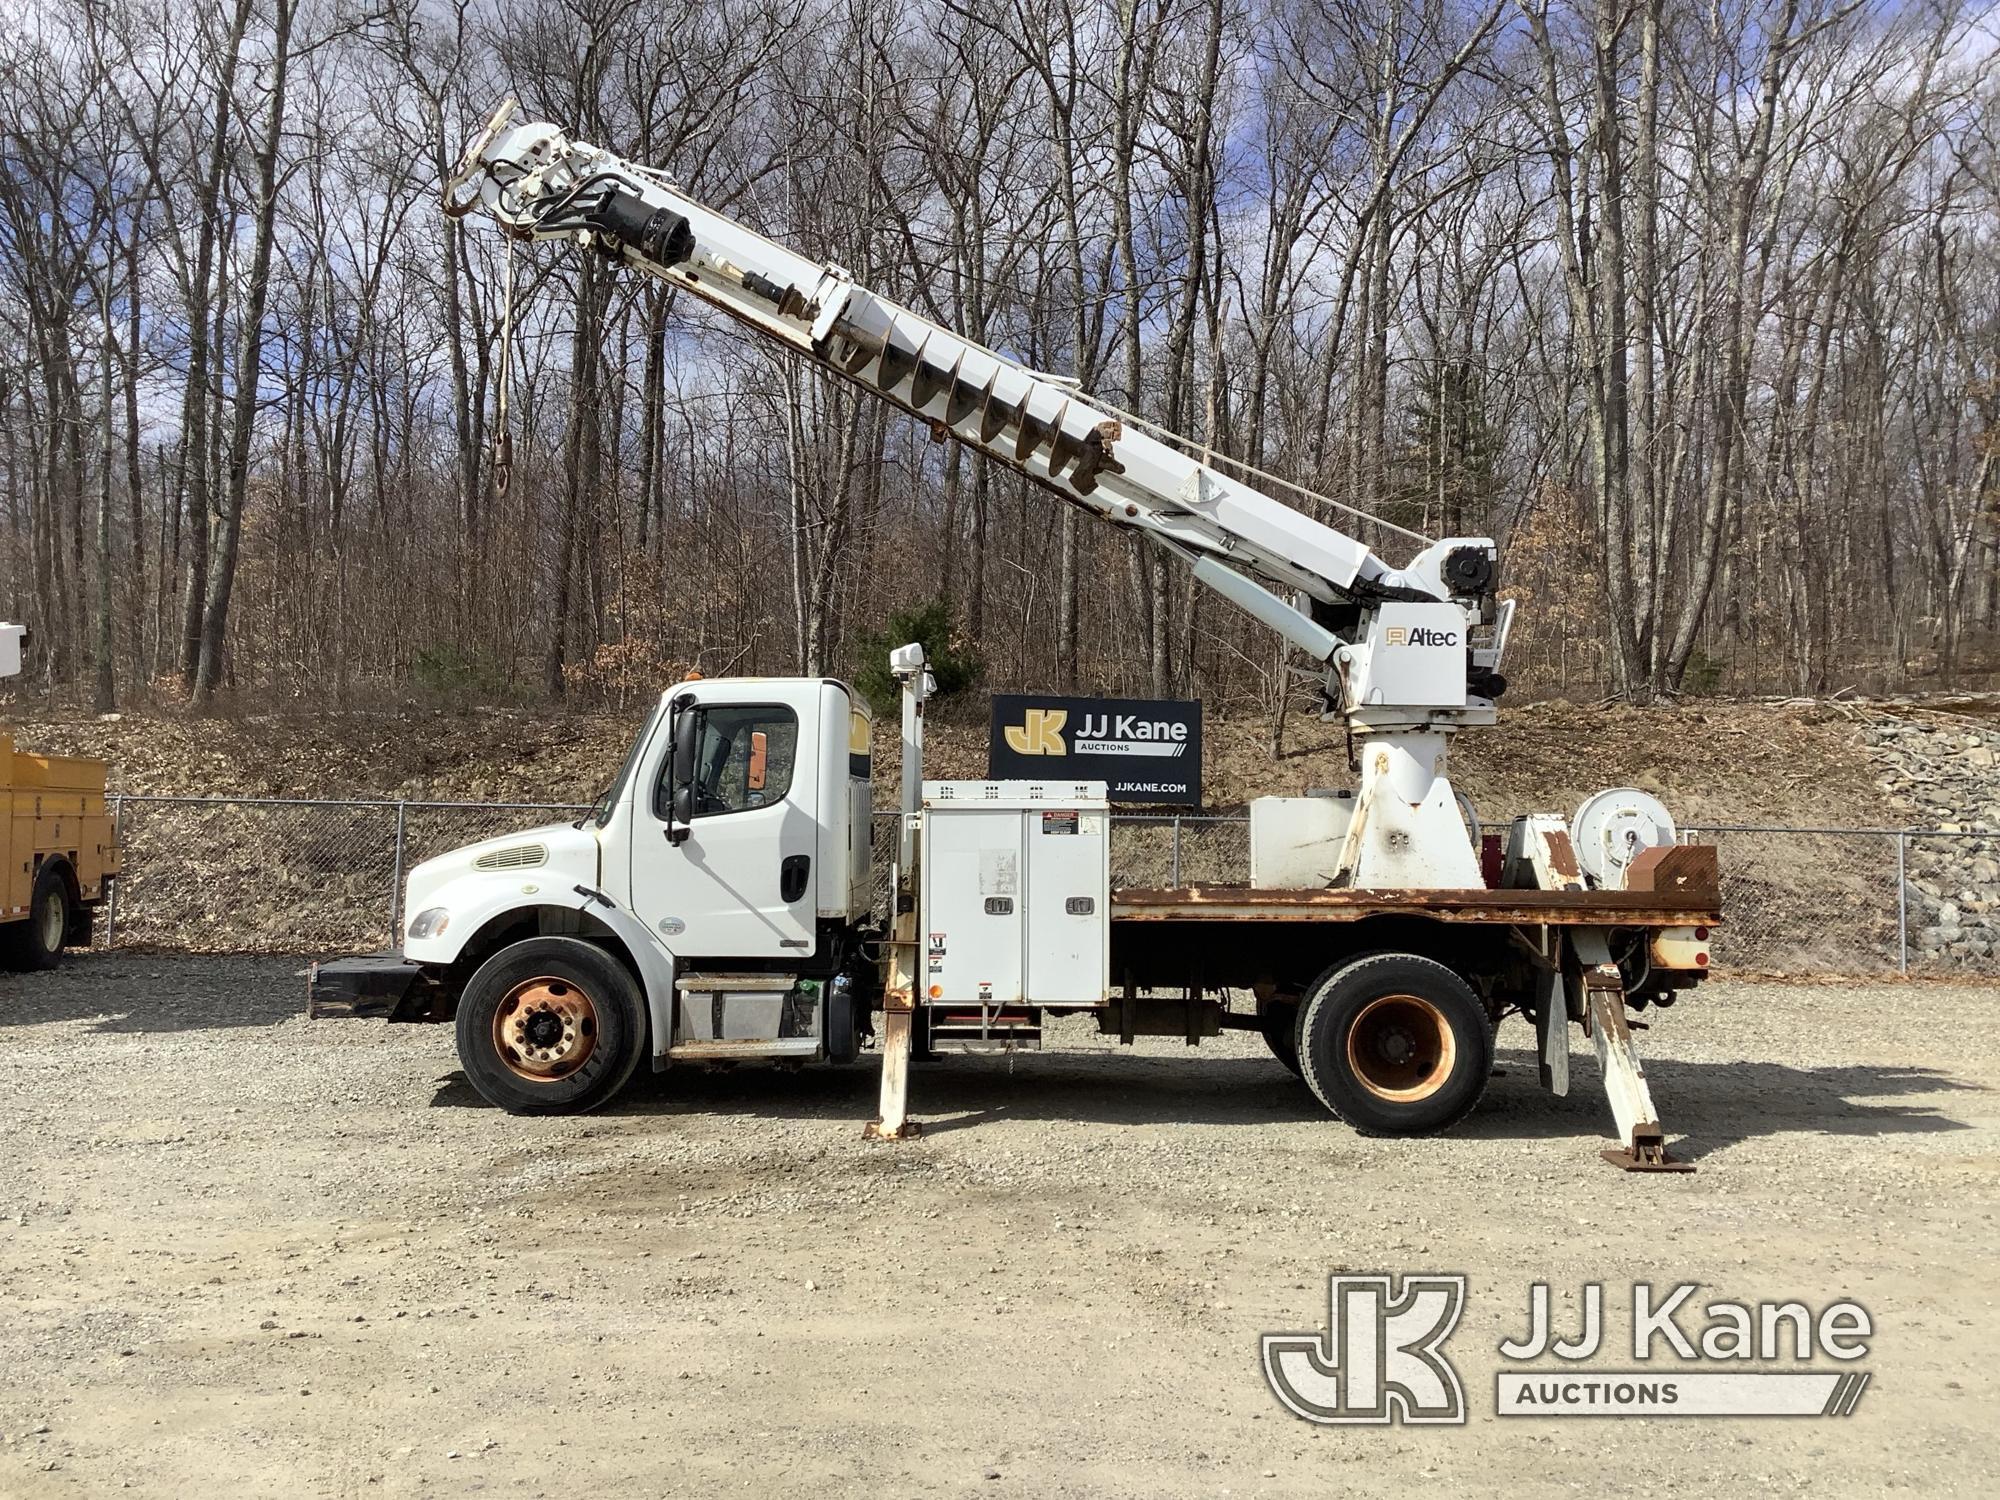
(1946, 780)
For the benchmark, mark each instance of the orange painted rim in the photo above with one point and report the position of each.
(545, 1029)
(1401, 1048)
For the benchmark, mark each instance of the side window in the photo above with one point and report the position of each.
(743, 760)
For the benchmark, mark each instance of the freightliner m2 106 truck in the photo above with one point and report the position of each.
(716, 906)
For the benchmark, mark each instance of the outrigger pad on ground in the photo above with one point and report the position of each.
(1645, 1158)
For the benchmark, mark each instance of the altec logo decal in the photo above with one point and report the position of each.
(1381, 1358)
(1041, 734)
(1419, 635)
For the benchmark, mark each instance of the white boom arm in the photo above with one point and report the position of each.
(1396, 643)
(11, 637)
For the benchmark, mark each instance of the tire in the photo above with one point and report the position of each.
(550, 1026)
(1395, 1044)
(1279, 1023)
(36, 942)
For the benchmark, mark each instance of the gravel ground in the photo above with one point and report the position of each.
(243, 1253)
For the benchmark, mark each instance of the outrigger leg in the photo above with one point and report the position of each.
(1602, 1006)
(899, 1017)
(894, 1123)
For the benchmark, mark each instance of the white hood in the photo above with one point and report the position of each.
(558, 857)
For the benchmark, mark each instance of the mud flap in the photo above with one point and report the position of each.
(1552, 1022)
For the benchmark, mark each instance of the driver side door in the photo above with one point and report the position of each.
(741, 884)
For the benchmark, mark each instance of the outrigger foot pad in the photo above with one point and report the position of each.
(1646, 1156)
(875, 1130)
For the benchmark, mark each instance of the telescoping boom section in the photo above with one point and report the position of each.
(1409, 654)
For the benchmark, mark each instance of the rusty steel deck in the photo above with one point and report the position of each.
(1685, 890)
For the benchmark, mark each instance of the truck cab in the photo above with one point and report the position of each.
(712, 904)
(757, 850)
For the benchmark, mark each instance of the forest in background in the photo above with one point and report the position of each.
(1695, 308)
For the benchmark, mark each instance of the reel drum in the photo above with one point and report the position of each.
(1610, 829)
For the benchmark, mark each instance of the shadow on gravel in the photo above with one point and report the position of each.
(953, 1092)
(129, 992)
(1721, 1104)
(1724, 1103)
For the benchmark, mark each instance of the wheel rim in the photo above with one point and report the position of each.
(1401, 1048)
(50, 921)
(545, 1029)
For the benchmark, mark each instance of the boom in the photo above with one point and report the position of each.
(1397, 644)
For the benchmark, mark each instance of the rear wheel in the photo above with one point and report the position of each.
(36, 942)
(1395, 1044)
(551, 1025)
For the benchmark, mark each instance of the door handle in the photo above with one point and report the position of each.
(792, 876)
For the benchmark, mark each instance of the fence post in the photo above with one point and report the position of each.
(396, 877)
(111, 901)
(1902, 904)
(1174, 868)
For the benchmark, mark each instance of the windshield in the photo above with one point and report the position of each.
(600, 810)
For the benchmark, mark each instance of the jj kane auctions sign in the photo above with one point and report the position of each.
(1143, 750)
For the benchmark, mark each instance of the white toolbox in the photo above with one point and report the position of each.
(1016, 893)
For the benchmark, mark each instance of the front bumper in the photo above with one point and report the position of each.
(380, 986)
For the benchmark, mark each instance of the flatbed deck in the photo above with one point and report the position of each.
(1239, 903)
(1684, 890)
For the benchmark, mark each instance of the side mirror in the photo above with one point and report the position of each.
(680, 774)
(685, 730)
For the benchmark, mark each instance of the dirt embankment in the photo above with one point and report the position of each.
(1710, 762)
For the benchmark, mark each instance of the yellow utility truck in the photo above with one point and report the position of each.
(58, 852)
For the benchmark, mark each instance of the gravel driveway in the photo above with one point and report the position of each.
(243, 1253)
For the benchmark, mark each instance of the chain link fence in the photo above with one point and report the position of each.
(1857, 900)
(265, 875)
(225, 874)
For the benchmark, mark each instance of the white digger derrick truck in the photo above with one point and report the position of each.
(716, 905)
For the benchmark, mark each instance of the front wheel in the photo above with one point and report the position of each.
(1395, 1044)
(552, 1025)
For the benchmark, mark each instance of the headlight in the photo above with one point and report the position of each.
(429, 923)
